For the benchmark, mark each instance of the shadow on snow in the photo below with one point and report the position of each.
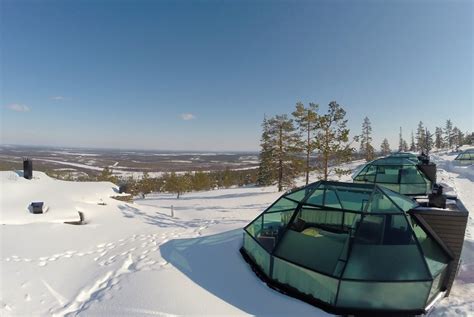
(215, 264)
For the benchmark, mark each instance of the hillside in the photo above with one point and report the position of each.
(135, 259)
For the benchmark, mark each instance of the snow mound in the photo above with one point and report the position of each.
(63, 200)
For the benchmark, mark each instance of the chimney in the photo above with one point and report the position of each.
(27, 168)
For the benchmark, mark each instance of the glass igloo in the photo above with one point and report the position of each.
(347, 248)
(466, 157)
(403, 175)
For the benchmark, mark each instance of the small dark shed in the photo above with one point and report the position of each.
(123, 188)
(37, 207)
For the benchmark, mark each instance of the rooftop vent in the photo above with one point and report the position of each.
(37, 207)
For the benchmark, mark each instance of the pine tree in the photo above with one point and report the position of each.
(366, 147)
(457, 137)
(176, 184)
(402, 144)
(332, 138)
(412, 144)
(439, 144)
(420, 137)
(448, 134)
(460, 137)
(405, 146)
(266, 169)
(107, 175)
(385, 147)
(468, 138)
(145, 185)
(201, 181)
(307, 123)
(284, 148)
(227, 178)
(429, 142)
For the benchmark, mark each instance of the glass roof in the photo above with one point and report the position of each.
(404, 154)
(393, 160)
(352, 197)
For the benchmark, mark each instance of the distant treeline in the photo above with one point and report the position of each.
(182, 183)
(444, 138)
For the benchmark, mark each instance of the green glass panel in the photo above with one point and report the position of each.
(257, 253)
(393, 187)
(273, 225)
(334, 220)
(411, 175)
(324, 196)
(314, 248)
(385, 263)
(415, 189)
(381, 203)
(299, 195)
(384, 250)
(316, 197)
(255, 227)
(268, 227)
(353, 198)
(437, 285)
(331, 199)
(282, 204)
(307, 282)
(389, 296)
(388, 174)
(403, 202)
(320, 217)
(367, 175)
(405, 155)
(435, 256)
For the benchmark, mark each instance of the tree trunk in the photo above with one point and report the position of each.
(280, 160)
(326, 156)
(308, 149)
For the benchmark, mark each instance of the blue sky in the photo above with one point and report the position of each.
(126, 74)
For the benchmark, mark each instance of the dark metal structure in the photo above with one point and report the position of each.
(27, 168)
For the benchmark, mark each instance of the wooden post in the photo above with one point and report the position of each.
(172, 211)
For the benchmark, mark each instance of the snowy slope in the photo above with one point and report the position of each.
(135, 259)
(461, 178)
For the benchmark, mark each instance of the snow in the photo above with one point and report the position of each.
(461, 300)
(135, 259)
(94, 168)
(63, 199)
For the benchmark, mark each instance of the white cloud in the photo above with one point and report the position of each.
(18, 107)
(188, 116)
(58, 98)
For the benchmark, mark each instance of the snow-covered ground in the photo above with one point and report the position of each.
(135, 259)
